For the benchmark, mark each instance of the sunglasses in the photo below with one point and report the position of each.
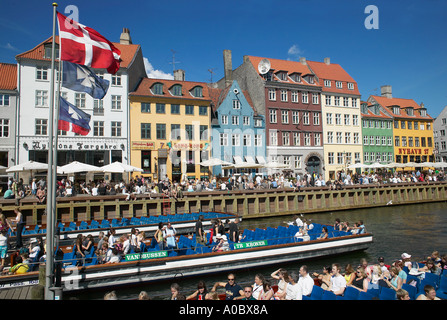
(230, 279)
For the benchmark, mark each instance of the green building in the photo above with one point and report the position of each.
(377, 134)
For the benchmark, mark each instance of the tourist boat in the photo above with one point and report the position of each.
(259, 247)
(184, 223)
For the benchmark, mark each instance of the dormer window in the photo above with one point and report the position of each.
(339, 84)
(47, 52)
(350, 86)
(423, 112)
(410, 112)
(296, 77)
(176, 90)
(396, 110)
(197, 92)
(310, 79)
(327, 83)
(157, 88)
(282, 76)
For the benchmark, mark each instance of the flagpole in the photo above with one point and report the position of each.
(49, 266)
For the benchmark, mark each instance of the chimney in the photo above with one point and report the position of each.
(125, 37)
(303, 60)
(228, 67)
(327, 61)
(179, 75)
(386, 91)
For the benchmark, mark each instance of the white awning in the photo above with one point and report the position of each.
(249, 159)
(261, 159)
(238, 160)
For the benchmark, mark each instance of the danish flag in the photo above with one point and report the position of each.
(83, 45)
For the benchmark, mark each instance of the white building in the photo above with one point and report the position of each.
(108, 140)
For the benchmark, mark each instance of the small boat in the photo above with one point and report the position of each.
(259, 247)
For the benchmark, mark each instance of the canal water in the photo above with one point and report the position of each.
(415, 229)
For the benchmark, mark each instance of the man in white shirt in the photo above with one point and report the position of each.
(338, 282)
(305, 283)
(292, 287)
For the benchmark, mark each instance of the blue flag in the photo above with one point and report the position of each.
(70, 114)
(80, 78)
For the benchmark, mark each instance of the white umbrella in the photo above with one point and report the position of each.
(275, 165)
(426, 164)
(28, 166)
(409, 165)
(357, 165)
(440, 164)
(375, 165)
(118, 167)
(247, 165)
(392, 165)
(214, 162)
(77, 166)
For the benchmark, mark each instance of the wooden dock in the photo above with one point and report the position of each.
(20, 293)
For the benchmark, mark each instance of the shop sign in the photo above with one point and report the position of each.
(187, 146)
(143, 145)
(410, 151)
(37, 145)
(146, 255)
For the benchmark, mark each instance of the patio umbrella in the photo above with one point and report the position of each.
(214, 162)
(376, 165)
(357, 166)
(76, 166)
(28, 166)
(119, 167)
(440, 164)
(275, 165)
(426, 164)
(392, 165)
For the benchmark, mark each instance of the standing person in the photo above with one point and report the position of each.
(158, 236)
(3, 247)
(232, 289)
(20, 224)
(169, 234)
(4, 223)
(234, 230)
(338, 282)
(200, 235)
(305, 283)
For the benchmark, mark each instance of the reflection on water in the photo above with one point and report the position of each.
(415, 229)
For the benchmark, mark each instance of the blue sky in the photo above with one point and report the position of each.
(408, 51)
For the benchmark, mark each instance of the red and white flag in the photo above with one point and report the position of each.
(83, 45)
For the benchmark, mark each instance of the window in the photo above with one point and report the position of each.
(328, 100)
(330, 137)
(258, 122)
(98, 107)
(224, 139)
(285, 116)
(161, 131)
(345, 102)
(246, 121)
(41, 73)
(338, 119)
(355, 120)
(175, 109)
(41, 98)
(224, 119)
(365, 140)
(116, 102)
(189, 129)
(80, 100)
(272, 94)
(396, 110)
(175, 132)
(295, 96)
(396, 141)
(146, 160)
(347, 137)
(371, 140)
(327, 83)
(4, 128)
(236, 104)
(316, 119)
(273, 137)
(315, 98)
(328, 118)
(296, 77)
(347, 120)
(246, 140)
(197, 92)
(41, 127)
(354, 102)
(98, 128)
(176, 90)
(307, 139)
(203, 110)
(157, 88)
(258, 140)
(189, 109)
(339, 84)
(366, 157)
(416, 142)
(402, 124)
(306, 120)
(116, 129)
(377, 140)
(389, 141)
(339, 157)
(4, 99)
(236, 139)
(337, 101)
(116, 80)
(235, 120)
(330, 158)
(297, 162)
(295, 117)
(356, 138)
(145, 131)
(203, 131)
(305, 97)
(350, 86)
(284, 95)
(317, 139)
(285, 138)
(410, 141)
(272, 114)
(296, 139)
(145, 107)
(160, 108)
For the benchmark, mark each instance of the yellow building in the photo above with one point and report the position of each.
(413, 128)
(170, 129)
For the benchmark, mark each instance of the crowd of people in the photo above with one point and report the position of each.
(141, 185)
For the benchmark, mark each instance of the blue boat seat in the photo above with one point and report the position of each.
(316, 294)
(365, 296)
(442, 289)
(387, 294)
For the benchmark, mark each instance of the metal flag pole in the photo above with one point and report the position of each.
(49, 266)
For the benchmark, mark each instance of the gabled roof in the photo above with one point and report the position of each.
(402, 104)
(370, 114)
(333, 72)
(219, 95)
(8, 76)
(144, 89)
(128, 52)
(285, 65)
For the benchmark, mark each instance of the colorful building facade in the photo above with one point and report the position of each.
(412, 127)
(170, 128)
